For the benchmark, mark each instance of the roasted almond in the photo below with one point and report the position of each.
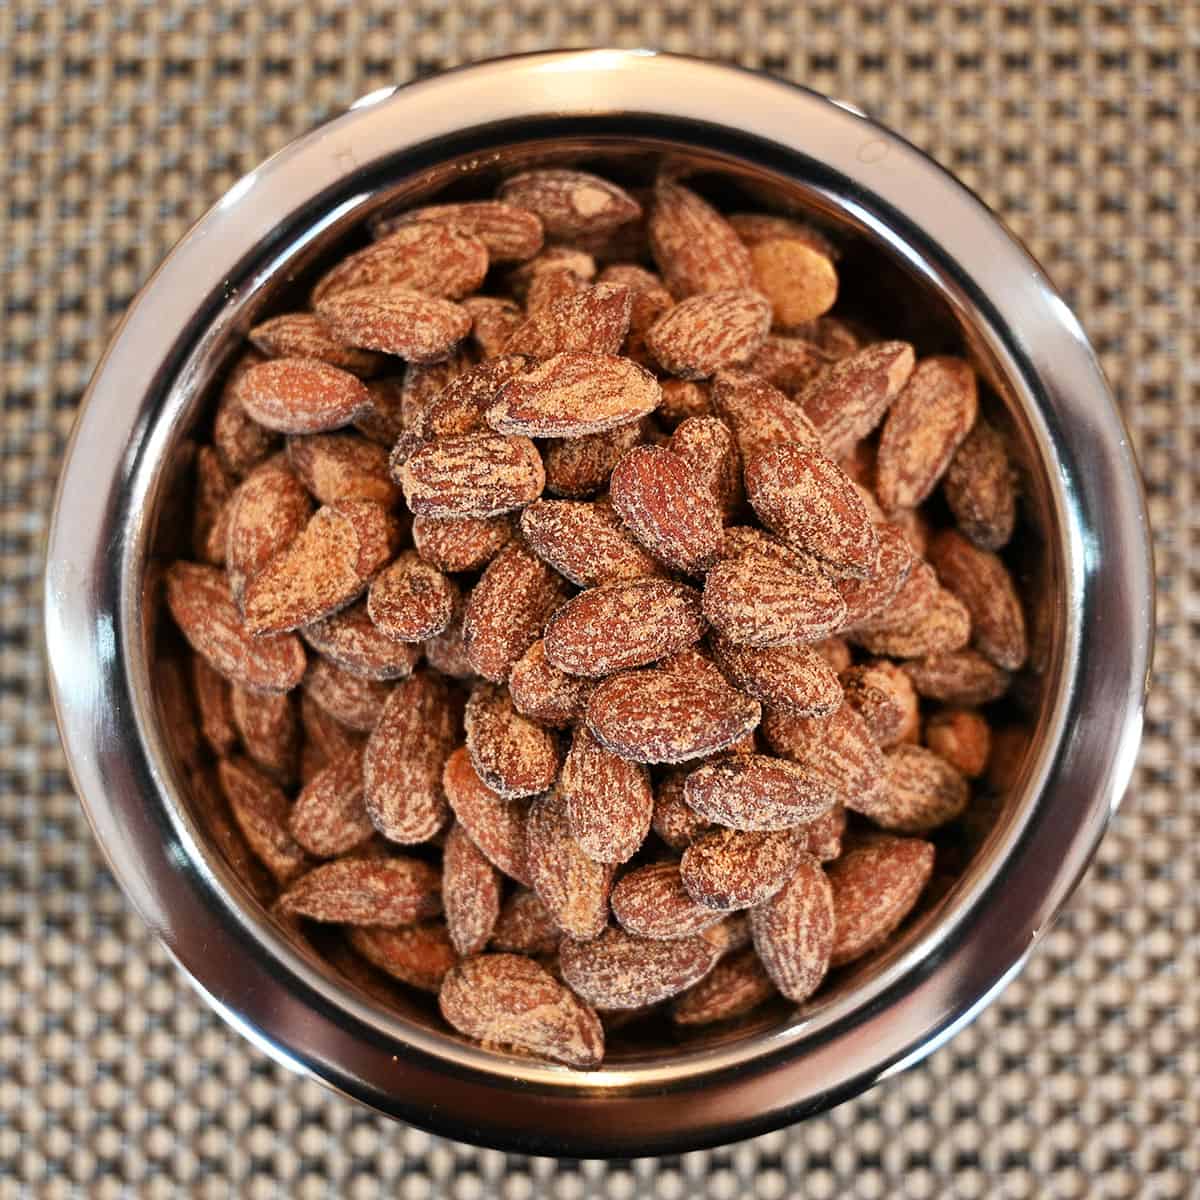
(695, 248)
(513, 756)
(910, 604)
(595, 320)
(570, 202)
(838, 752)
(958, 677)
(445, 653)
(609, 800)
(509, 233)
(579, 467)
(329, 817)
(470, 893)
(683, 398)
(261, 811)
(353, 642)
(383, 423)
(305, 335)
(210, 507)
(922, 792)
(525, 926)
(882, 694)
(460, 543)
(731, 868)
(301, 395)
(411, 601)
(708, 333)
(213, 694)
(268, 511)
(324, 733)
(366, 891)
(585, 542)
(578, 265)
(342, 466)
(459, 405)
(794, 679)
(351, 699)
(494, 824)
(794, 931)
(240, 441)
(652, 902)
(758, 793)
(822, 838)
(216, 819)
(836, 653)
(789, 364)
(673, 819)
(867, 598)
(419, 955)
(757, 227)
(962, 737)
(423, 383)
(269, 731)
(475, 475)
(735, 986)
(709, 448)
(799, 281)
(413, 326)
(980, 488)
(945, 626)
(493, 319)
(544, 693)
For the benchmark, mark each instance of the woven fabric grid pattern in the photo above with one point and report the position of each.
(1079, 123)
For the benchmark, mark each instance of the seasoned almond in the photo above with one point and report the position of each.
(621, 625)
(445, 653)
(800, 282)
(836, 653)
(980, 487)
(875, 886)
(402, 767)
(683, 398)
(836, 337)
(494, 824)
(789, 363)
(508, 1001)
(261, 810)
(837, 751)
(572, 886)
(507, 609)
(650, 299)
(911, 603)
(609, 801)
(735, 986)
(305, 335)
(366, 891)
(621, 970)
(324, 733)
(730, 868)
(201, 605)
(411, 601)
(579, 467)
(585, 542)
(958, 677)
(794, 931)
(944, 627)
(210, 515)
(707, 333)
(822, 838)
(353, 642)
(708, 446)
(595, 320)
(923, 792)
(756, 227)
(757, 793)
(695, 248)
(525, 926)
(476, 475)
(397, 321)
(460, 543)
(574, 394)
(419, 955)
(669, 713)
(982, 582)
(352, 700)
(214, 706)
(424, 257)
(240, 441)
(730, 934)
(341, 466)
(269, 730)
(424, 382)
(848, 400)
(268, 512)
(867, 598)
(564, 263)
(509, 233)
(458, 407)
(882, 694)
(301, 395)
(545, 694)
(652, 902)
(329, 817)
(493, 319)
(673, 820)
(470, 893)
(326, 567)
(810, 502)
(924, 427)
(570, 202)
(383, 423)
(793, 679)
(962, 737)
(214, 813)
(512, 755)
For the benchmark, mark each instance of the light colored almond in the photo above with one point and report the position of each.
(695, 248)
(800, 282)
(708, 333)
(794, 931)
(475, 475)
(301, 395)
(395, 320)
(570, 202)
(609, 801)
(513, 756)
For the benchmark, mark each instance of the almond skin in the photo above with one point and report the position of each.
(962, 737)
(580, 467)
(329, 817)
(495, 825)
(342, 466)
(651, 902)
(585, 542)
(594, 320)
(673, 820)
(366, 891)
(980, 488)
(867, 598)
(525, 926)
(352, 641)
(419, 955)
(301, 395)
(410, 601)
(509, 233)
(460, 543)
(789, 364)
(710, 449)
(512, 755)
(261, 809)
(569, 202)
(609, 801)
(922, 792)
(413, 326)
(838, 751)
(944, 627)
(470, 893)
(352, 700)
(735, 986)
(822, 838)
(240, 441)
(793, 679)
(707, 333)
(458, 407)
(269, 731)
(794, 931)
(683, 398)
(695, 248)
(305, 335)
(545, 694)
(959, 677)
(214, 706)
(755, 792)
(799, 281)
(475, 475)
(884, 697)
(268, 511)
(729, 868)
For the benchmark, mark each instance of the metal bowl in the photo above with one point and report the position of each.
(923, 244)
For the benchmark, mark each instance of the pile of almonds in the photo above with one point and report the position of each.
(567, 631)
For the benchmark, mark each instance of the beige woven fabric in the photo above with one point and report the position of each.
(1079, 122)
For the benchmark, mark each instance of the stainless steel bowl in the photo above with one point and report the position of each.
(1083, 547)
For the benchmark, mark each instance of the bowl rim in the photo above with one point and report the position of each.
(93, 610)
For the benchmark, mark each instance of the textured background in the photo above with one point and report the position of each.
(1079, 122)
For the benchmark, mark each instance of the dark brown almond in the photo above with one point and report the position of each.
(794, 679)
(325, 734)
(652, 902)
(210, 517)
(982, 582)
(507, 609)
(493, 319)
(756, 227)
(323, 569)
(545, 694)
(213, 694)
(810, 502)
(513, 756)
(867, 598)
(958, 677)
(240, 441)
(574, 394)
(609, 800)
(735, 986)
(570, 202)
(470, 893)
(411, 325)
(525, 926)
(511, 234)
(669, 713)
(402, 767)
(261, 810)
(424, 257)
(585, 542)
(729, 868)
(305, 335)
(757, 793)
(476, 475)
(494, 824)
(944, 627)
(754, 600)
(922, 792)
(270, 731)
(673, 820)
(366, 891)
(962, 737)
(924, 427)
(849, 399)
(460, 543)
(329, 817)
(667, 509)
(352, 700)
(445, 653)
(352, 641)
(572, 886)
(411, 601)
(459, 406)
(342, 466)
(683, 398)
(508, 1001)
(695, 248)
(579, 467)
(419, 955)
(882, 694)
(620, 970)
(215, 818)
(837, 751)
(621, 625)
(595, 319)
(708, 333)
(268, 512)
(875, 886)
(980, 487)
(794, 931)
(822, 838)
(799, 281)
(789, 364)
(708, 446)
(201, 605)
(301, 395)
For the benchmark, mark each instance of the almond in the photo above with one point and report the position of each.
(301, 395)
(578, 467)
(423, 383)
(735, 986)
(944, 627)
(729, 934)
(570, 202)
(509, 233)
(585, 542)
(958, 677)
(912, 602)
(470, 893)
(838, 752)
(240, 441)
(305, 335)
(458, 407)
(509, 1001)
(445, 653)
(460, 543)
(545, 694)
(397, 321)
(525, 926)
(695, 248)
(962, 737)
(649, 300)
(923, 792)
(836, 653)
(756, 227)
(730, 868)
(341, 466)
(867, 598)
(512, 755)
(884, 697)
(383, 423)
(925, 426)
(494, 824)
(789, 364)
(810, 502)
(419, 955)
(609, 801)
(329, 818)
(366, 891)
(578, 266)
(215, 819)
(705, 334)
(269, 731)
(793, 679)
(476, 475)
(210, 512)
(350, 699)
(620, 970)
(794, 931)
(651, 902)
(594, 320)
(324, 734)
(800, 282)
(757, 793)
(673, 820)
(711, 451)
(493, 320)
(268, 511)
(822, 838)
(683, 398)
(353, 642)
(261, 809)
(214, 706)
(201, 605)
(402, 767)
(980, 488)
(411, 601)
(875, 886)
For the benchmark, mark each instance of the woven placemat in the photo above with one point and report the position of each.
(1079, 122)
